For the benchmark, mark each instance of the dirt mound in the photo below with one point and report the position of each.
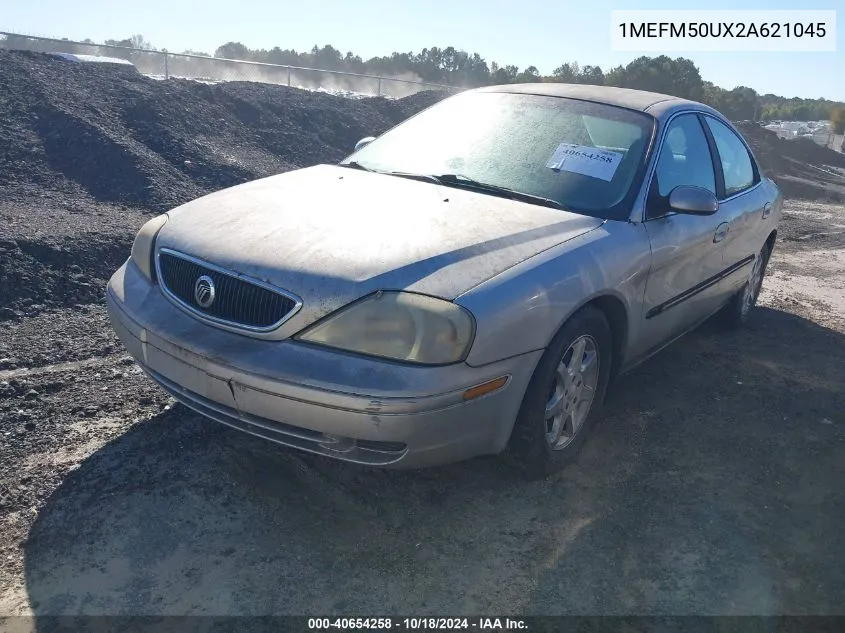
(87, 151)
(44, 274)
(802, 168)
(125, 138)
(778, 151)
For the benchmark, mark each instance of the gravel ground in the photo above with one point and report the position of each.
(713, 484)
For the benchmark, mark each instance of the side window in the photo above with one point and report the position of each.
(736, 162)
(685, 157)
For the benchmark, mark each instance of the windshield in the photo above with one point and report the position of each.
(581, 154)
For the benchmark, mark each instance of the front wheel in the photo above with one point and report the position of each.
(564, 394)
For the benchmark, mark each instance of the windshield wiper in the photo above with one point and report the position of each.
(465, 182)
(401, 174)
(413, 176)
(354, 164)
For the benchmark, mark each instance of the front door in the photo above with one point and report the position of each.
(687, 250)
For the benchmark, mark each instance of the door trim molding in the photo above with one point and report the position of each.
(699, 287)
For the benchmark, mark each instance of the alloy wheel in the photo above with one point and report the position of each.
(755, 283)
(572, 392)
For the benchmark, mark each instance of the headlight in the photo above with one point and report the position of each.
(398, 325)
(142, 247)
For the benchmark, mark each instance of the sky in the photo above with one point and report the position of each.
(542, 33)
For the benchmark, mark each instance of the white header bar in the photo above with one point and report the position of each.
(661, 31)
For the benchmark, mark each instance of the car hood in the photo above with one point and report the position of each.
(331, 235)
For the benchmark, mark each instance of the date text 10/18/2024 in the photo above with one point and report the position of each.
(413, 624)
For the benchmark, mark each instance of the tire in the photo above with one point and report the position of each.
(531, 445)
(737, 313)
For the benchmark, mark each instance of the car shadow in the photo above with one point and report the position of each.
(712, 484)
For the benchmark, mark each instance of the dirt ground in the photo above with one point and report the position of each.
(713, 484)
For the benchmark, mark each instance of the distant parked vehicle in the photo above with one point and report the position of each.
(466, 283)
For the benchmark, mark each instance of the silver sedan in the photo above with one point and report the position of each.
(467, 283)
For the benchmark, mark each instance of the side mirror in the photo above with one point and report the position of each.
(364, 142)
(691, 200)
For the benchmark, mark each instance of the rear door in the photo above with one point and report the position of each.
(687, 250)
(742, 203)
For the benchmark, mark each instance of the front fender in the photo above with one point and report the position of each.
(521, 309)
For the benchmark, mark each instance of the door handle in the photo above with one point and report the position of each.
(767, 210)
(721, 232)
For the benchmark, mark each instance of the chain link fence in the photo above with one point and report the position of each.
(165, 65)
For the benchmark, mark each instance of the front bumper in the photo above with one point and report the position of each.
(323, 401)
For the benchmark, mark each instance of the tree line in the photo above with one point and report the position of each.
(450, 66)
(679, 77)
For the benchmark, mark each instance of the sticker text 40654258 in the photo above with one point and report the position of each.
(588, 161)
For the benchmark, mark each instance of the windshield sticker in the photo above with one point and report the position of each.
(588, 161)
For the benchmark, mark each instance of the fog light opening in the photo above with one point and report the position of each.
(486, 388)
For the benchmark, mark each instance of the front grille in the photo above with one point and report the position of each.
(237, 301)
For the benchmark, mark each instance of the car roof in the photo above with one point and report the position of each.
(654, 103)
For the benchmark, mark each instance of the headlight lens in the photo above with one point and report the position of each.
(400, 326)
(142, 247)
